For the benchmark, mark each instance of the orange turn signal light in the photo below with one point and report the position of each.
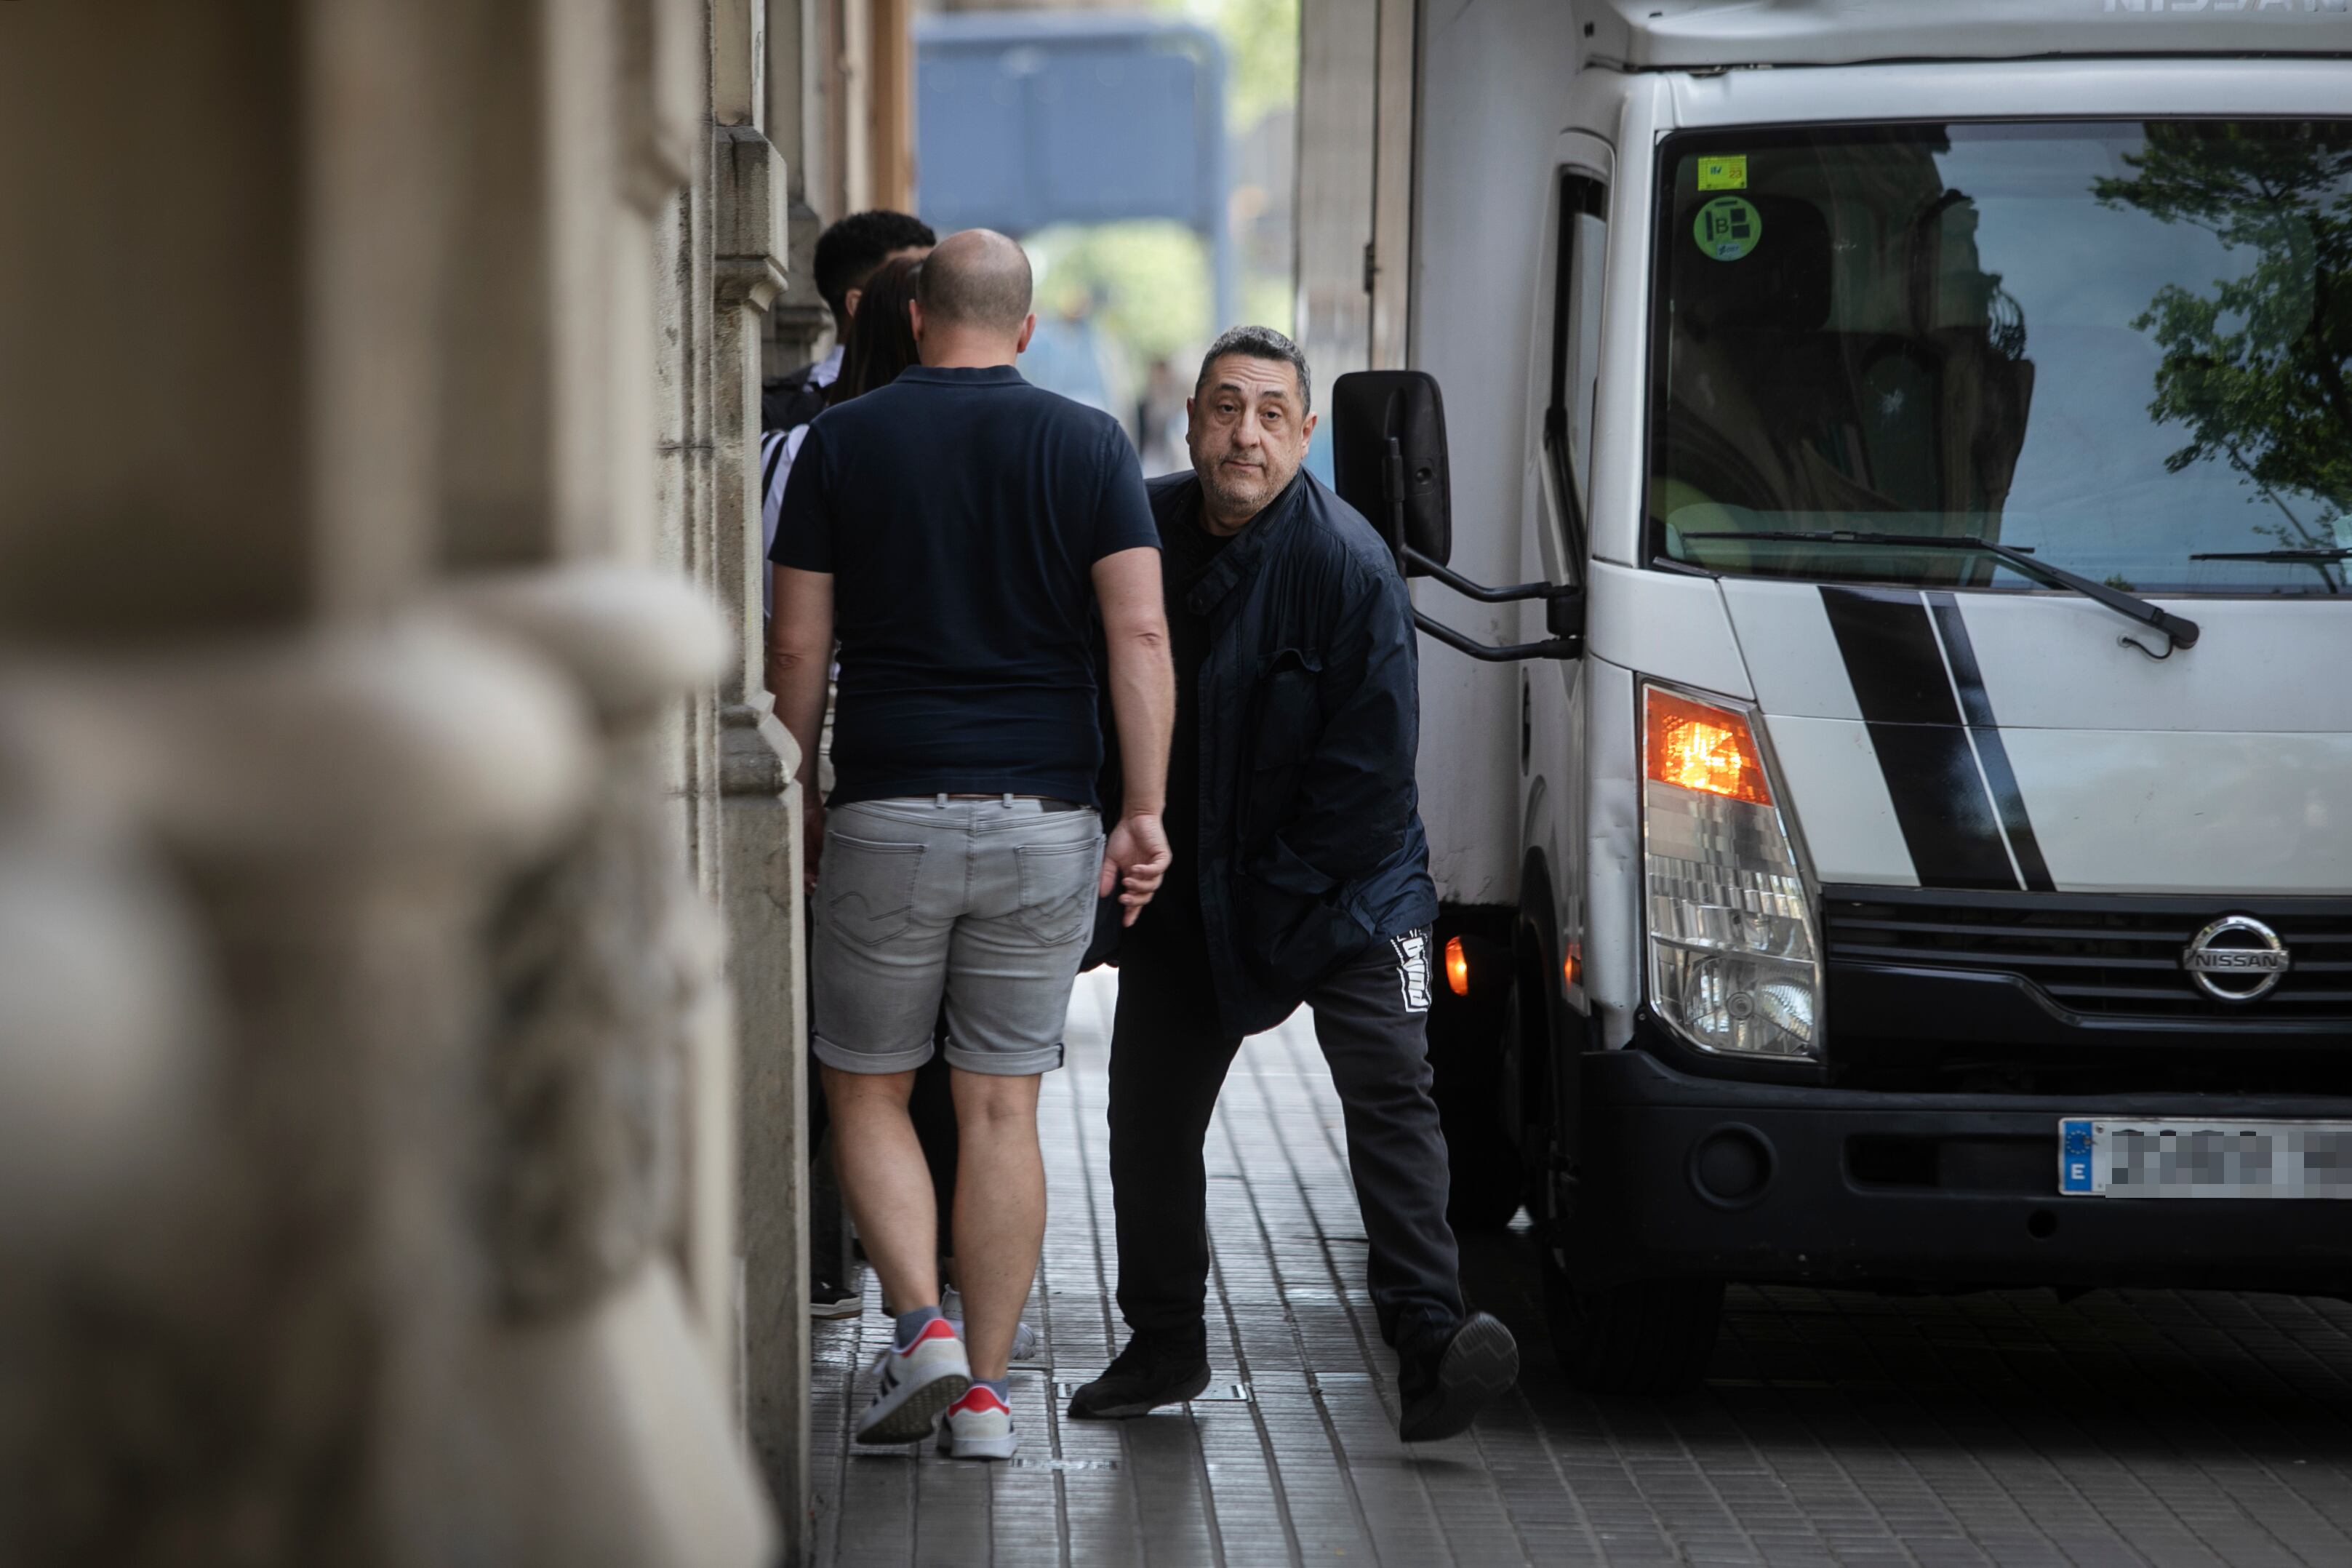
(1699, 746)
(1571, 968)
(1458, 967)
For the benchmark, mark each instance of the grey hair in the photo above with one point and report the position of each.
(1259, 343)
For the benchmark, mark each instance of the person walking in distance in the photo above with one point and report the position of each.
(959, 531)
(1300, 874)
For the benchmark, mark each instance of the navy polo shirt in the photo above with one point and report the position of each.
(960, 514)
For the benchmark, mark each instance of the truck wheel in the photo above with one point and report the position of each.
(1483, 1176)
(1481, 1161)
(1482, 1157)
(1523, 1108)
(1652, 1336)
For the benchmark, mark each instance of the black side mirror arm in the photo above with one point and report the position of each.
(1511, 653)
(1563, 607)
(1563, 614)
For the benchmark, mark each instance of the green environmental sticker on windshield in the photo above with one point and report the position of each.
(1728, 227)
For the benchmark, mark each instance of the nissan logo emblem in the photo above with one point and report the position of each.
(2235, 959)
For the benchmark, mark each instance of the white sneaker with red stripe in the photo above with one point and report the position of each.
(918, 1381)
(1027, 1345)
(978, 1427)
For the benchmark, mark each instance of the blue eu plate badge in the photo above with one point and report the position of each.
(2074, 1142)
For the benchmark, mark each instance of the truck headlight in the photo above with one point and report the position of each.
(1733, 963)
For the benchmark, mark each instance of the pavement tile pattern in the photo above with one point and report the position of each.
(2143, 1428)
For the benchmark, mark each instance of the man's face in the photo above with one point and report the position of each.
(849, 297)
(1247, 434)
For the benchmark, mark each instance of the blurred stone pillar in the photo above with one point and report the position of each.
(610, 1425)
(794, 121)
(890, 103)
(841, 105)
(395, 834)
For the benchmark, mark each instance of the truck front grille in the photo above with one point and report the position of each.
(2106, 957)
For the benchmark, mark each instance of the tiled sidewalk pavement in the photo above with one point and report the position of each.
(2146, 1427)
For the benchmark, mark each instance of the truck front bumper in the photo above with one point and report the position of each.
(1681, 1175)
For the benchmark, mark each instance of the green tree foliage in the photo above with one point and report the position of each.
(2257, 370)
(1146, 281)
(1261, 39)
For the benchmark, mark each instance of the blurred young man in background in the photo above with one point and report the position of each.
(847, 253)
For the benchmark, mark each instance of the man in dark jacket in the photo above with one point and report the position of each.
(1301, 874)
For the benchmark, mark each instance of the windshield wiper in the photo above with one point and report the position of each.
(2179, 630)
(2319, 557)
(2333, 552)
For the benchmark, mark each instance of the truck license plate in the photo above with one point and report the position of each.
(2179, 1158)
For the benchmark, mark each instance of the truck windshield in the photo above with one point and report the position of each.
(2126, 349)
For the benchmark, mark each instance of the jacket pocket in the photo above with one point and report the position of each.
(868, 888)
(1057, 889)
(1290, 941)
(1283, 736)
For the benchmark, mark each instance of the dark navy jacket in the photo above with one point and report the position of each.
(1311, 848)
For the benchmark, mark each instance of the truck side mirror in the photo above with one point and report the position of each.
(1388, 461)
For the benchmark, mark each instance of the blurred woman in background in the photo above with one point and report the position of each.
(881, 335)
(881, 344)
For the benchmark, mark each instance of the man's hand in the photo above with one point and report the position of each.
(1137, 854)
(812, 838)
(1143, 701)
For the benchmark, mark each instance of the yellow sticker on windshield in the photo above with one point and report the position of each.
(1728, 173)
(1728, 227)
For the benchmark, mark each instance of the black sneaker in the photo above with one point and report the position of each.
(1148, 1374)
(830, 1299)
(1447, 1383)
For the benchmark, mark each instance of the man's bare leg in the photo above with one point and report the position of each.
(999, 1218)
(887, 1184)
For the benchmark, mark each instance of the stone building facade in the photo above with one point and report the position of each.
(400, 1013)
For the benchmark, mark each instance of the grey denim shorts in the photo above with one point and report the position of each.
(986, 904)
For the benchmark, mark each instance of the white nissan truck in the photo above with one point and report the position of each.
(1879, 482)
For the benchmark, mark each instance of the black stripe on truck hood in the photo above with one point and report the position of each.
(1976, 709)
(1931, 725)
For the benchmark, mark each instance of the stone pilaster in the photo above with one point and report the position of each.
(759, 845)
(767, 934)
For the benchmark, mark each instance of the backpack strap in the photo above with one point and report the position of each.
(789, 399)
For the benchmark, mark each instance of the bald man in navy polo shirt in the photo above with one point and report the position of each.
(962, 532)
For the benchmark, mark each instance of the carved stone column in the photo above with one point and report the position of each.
(265, 1361)
(759, 815)
(797, 120)
(767, 934)
(608, 971)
